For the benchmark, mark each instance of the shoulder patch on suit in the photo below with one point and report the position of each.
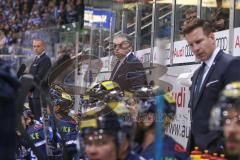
(179, 148)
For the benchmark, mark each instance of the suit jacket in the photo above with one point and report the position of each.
(225, 69)
(130, 75)
(39, 69)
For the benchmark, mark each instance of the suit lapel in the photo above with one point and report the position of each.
(207, 77)
(39, 59)
(114, 70)
(42, 56)
(194, 81)
(121, 68)
(204, 83)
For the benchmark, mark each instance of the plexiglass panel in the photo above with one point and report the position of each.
(217, 12)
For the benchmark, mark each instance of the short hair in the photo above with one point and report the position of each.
(124, 36)
(190, 10)
(195, 23)
(38, 39)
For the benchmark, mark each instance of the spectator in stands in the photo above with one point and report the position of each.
(3, 49)
(189, 15)
(22, 15)
(61, 13)
(165, 28)
(80, 11)
(71, 12)
(221, 20)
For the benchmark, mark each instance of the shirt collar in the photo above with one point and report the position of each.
(128, 54)
(38, 56)
(210, 61)
(122, 59)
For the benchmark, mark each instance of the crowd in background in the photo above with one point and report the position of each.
(19, 16)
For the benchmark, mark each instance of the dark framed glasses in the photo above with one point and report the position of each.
(123, 45)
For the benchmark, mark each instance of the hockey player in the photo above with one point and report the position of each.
(226, 117)
(110, 91)
(107, 133)
(145, 133)
(67, 126)
(105, 91)
(36, 132)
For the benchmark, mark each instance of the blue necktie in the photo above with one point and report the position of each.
(198, 83)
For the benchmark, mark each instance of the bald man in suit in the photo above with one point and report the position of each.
(38, 69)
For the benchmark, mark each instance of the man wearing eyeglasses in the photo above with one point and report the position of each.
(128, 71)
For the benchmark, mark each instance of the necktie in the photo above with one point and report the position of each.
(35, 60)
(115, 69)
(200, 78)
(198, 84)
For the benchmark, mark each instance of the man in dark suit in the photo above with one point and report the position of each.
(128, 71)
(217, 70)
(38, 69)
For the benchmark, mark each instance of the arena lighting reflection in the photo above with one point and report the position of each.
(89, 69)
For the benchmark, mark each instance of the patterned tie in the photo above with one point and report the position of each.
(115, 69)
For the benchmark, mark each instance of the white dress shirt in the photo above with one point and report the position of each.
(209, 63)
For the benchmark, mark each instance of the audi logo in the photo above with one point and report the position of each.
(222, 43)
(188, 52)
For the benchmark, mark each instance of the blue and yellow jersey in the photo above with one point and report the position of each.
(171, 150)
(36, 133)
(68, 130)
